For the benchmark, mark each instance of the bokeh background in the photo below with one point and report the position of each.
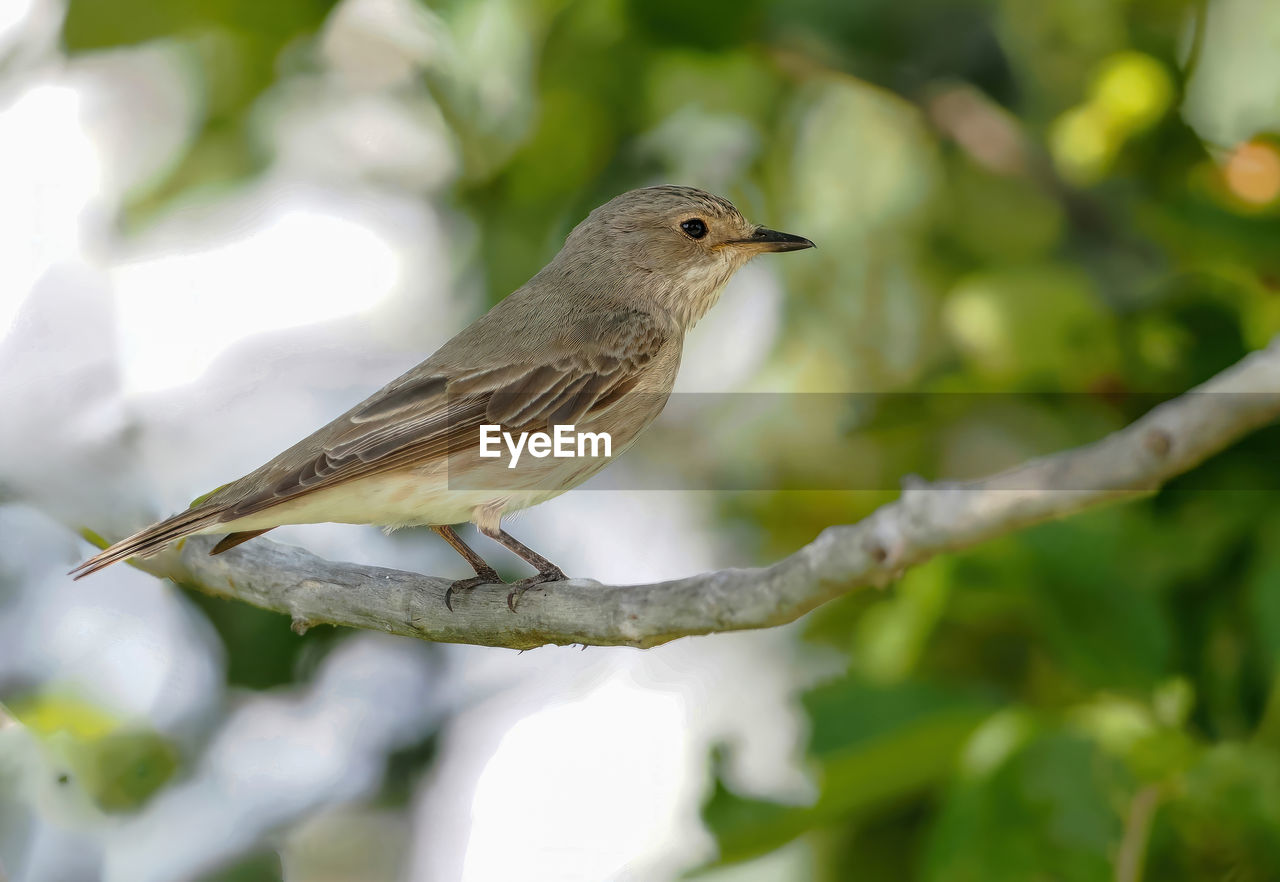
(222, 222)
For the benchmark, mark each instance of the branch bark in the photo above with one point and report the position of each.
(928, 520)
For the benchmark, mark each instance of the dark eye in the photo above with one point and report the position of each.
(694, 227)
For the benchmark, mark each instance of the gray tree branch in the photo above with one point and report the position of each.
(928, 519)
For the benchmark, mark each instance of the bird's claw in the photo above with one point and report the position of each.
(490, 577)
(555, 574)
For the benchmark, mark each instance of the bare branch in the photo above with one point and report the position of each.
(929, 519)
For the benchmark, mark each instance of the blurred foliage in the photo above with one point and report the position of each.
(1021, 198)
(262, 866)
(117, 765)
(258, 655)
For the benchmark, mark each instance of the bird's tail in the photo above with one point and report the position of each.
(151, 540)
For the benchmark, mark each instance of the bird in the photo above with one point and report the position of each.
(593, 341)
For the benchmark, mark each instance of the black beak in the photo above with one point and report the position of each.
(772, 240)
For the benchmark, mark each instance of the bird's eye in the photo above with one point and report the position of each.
(694, 227)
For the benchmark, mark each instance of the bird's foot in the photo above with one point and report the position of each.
(486, 577)
(554, 574)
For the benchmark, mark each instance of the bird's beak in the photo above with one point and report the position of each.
(764, 239)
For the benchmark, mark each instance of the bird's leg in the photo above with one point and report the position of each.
(547, 571)
(485, 574)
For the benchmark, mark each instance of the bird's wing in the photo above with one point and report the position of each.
(430, 413)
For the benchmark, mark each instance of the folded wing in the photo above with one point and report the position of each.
(426, 417)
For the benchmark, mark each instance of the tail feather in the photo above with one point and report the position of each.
(151, 540)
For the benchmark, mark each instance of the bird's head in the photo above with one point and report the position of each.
(675, 245)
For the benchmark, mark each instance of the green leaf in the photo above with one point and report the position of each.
(873, 746)
(1264, 590)
(1107, 627)
(1226, 817)
(1049, 812)
(205, 497)
(93, 538)
(1035, 323)
(260, 866)
(119, 767)
(122, 771)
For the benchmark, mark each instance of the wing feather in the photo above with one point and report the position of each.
(419, 419)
